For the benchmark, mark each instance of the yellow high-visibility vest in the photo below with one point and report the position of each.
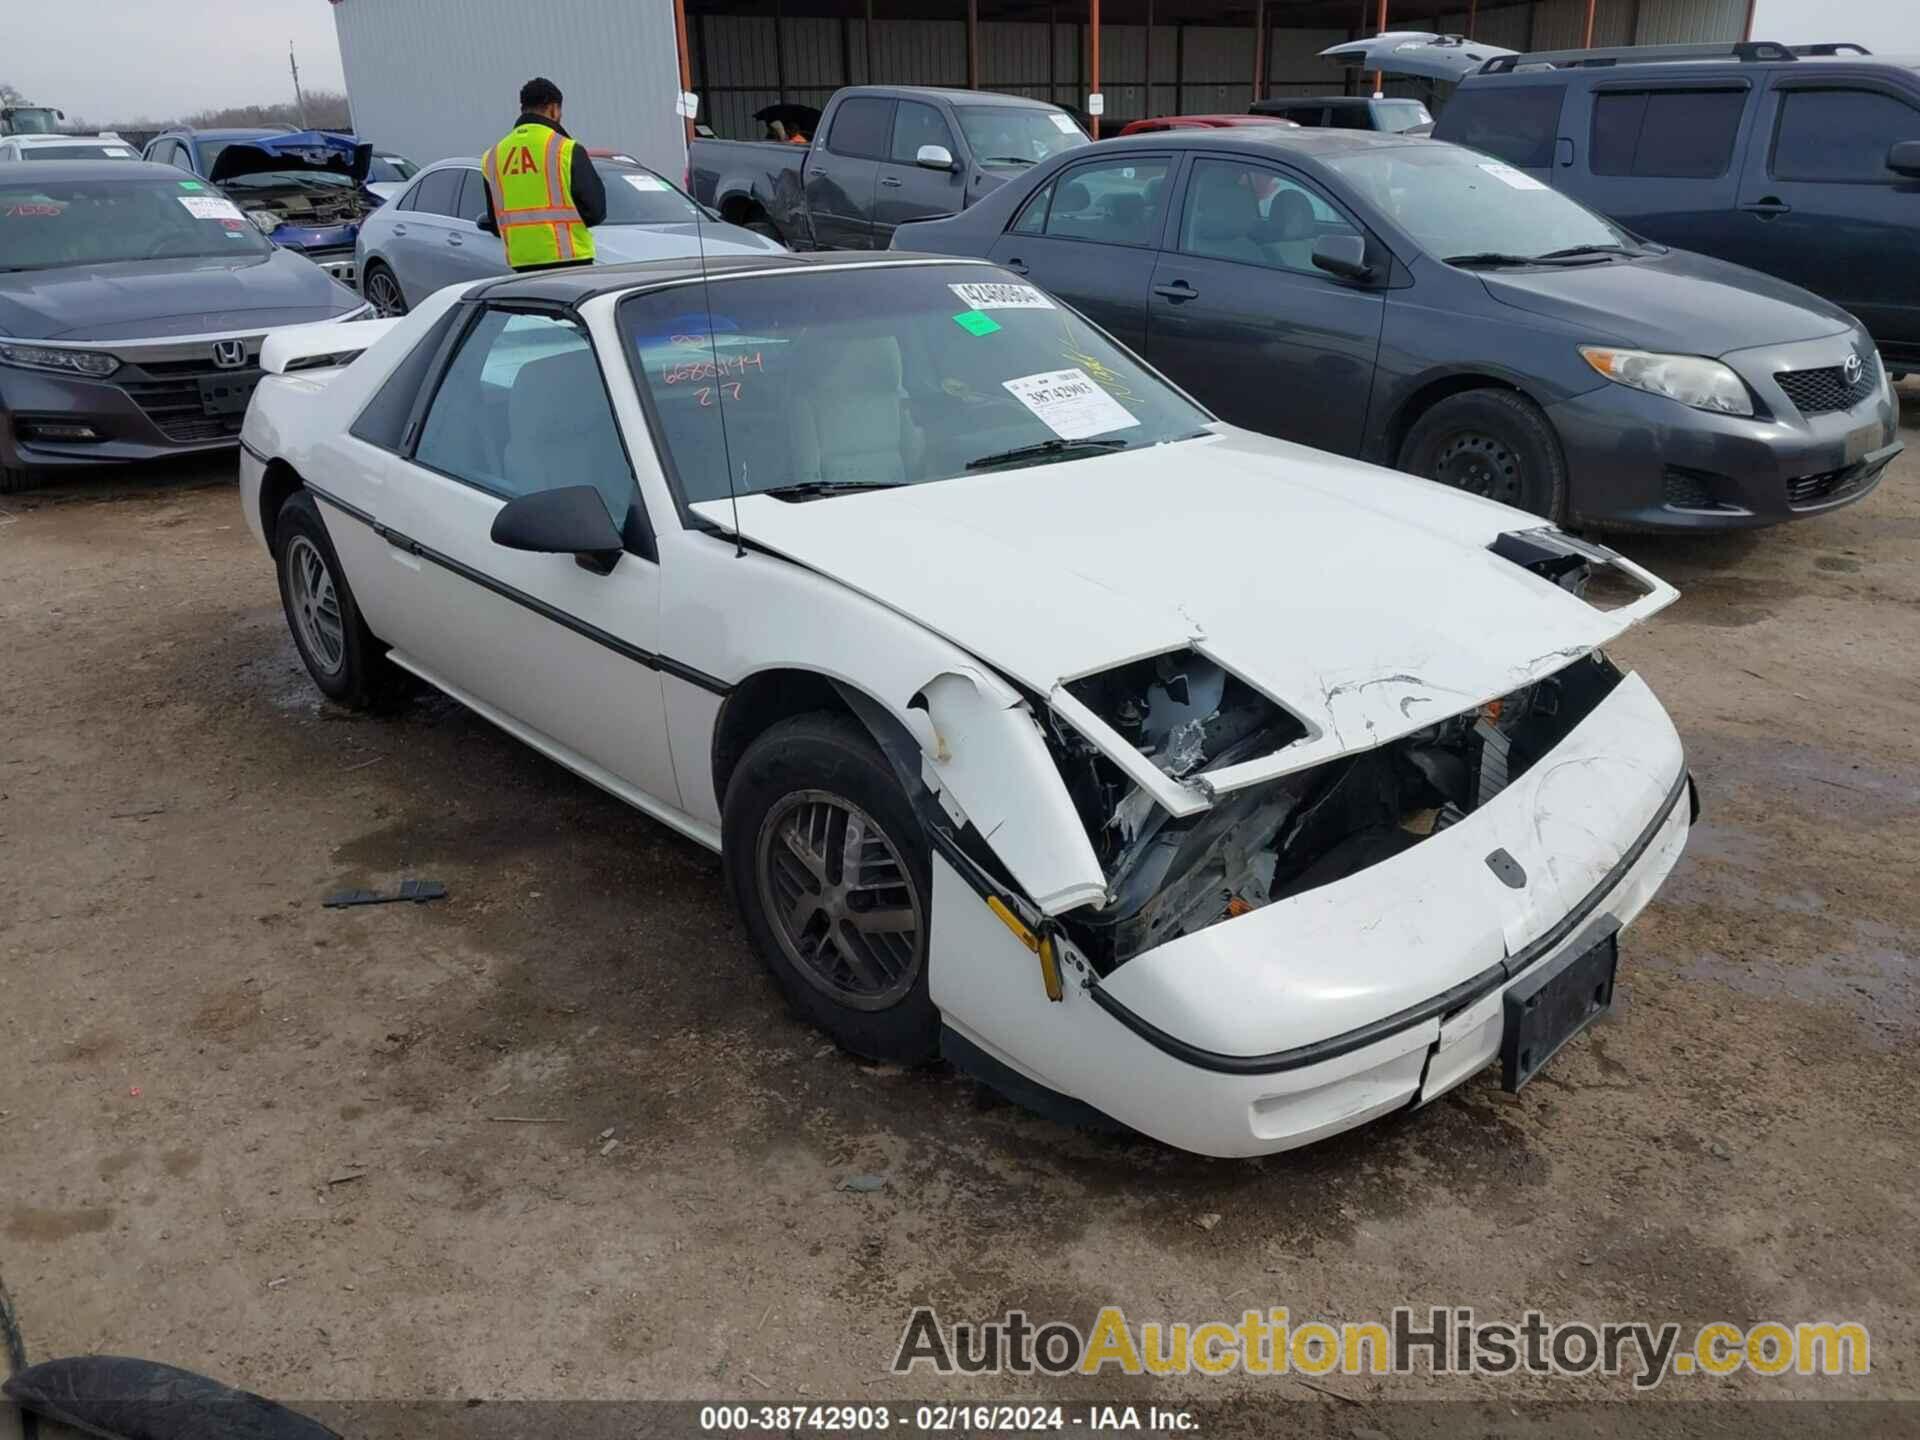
(531, 176)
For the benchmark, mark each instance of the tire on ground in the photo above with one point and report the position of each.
(362, 675)
(831, 756)
(1491, 442)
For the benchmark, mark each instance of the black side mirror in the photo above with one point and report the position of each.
(1903, 158)
(568, 521)
(1342, 255)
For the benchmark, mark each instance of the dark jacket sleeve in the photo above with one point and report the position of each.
(589, 192)
(490, 222)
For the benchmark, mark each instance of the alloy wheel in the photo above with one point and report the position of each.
(314, 605)
(384, 291)
(840, 899)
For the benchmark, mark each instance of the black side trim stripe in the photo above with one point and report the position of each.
(664, 664)
(263, 459)
(1446, 1002)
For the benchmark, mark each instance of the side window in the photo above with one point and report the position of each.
(1680, 134)
(438, 192)
(1350, 117)
(472, 204)
(915, 125)
(1514, 123)
(522, 408)
(861, 128)
(1118, 203)
(383, 421)
(1249, 213)
(1839, 135)
(1032, 219)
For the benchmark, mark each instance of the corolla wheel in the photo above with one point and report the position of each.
(384, 291)
(1495, 443)
(832, 872)
(839, 898)
(314, 605)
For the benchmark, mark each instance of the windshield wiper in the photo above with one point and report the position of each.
(1008, 160)
(1572, 250)
(1045, 450)
(1578, 256)
(814, 489)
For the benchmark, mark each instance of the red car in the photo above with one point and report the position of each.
(1201, 122)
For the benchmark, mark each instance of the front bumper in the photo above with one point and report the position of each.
(1380, 991)
(140, 412)
(1646, 461)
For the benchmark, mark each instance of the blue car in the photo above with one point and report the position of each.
(305, 190)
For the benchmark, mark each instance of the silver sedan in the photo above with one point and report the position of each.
(429, 236)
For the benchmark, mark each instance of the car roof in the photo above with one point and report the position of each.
(1348, 100)
(1307, 142)
(576, 285)
(87, 170)
(105, 137)
(957, 97)
(238, 132)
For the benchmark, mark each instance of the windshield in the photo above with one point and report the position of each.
(1016, 135)
(886, 376)
(32, 120)
(637, 196)
(97, 222)
(77, 152)
(1399, 115)
(389, 168)
(1456, 202)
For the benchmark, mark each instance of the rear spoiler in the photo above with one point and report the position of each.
(317, 347)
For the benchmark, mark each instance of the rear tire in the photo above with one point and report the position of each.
(1493, 443)
(839, 915)
(341, 654)
(380, 286)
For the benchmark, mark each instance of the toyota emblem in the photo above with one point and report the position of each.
(1852, 368)
(232, 354)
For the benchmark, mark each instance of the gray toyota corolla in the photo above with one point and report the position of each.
(1427, 307)
(133, 301)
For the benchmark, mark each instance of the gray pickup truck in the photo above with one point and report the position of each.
(881, 155)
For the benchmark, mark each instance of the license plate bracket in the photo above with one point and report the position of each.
(1548, 1006)
(1860, 440)
(227, 394)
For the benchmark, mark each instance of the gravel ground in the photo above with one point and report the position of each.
(358, 1155)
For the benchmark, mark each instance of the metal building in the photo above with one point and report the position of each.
(437, 77)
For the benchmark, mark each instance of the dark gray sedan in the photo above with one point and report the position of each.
(1424, 306)
(133, 303)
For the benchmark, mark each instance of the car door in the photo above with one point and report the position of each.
(1662, 157)
(1241, 317)
(1089, 234)
(907, 190)
(422, 253)
(843, 171)
(472, 253)
(1819, 207)
(559, 650)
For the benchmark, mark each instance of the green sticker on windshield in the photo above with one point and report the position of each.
(191, 185)
(976, 322)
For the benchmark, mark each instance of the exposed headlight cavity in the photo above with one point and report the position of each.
(1691, 379)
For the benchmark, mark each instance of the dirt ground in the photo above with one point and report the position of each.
(335, 1155)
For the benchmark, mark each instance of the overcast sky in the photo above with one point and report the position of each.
(121, 60)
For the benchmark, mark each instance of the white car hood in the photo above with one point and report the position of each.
(1363, 600)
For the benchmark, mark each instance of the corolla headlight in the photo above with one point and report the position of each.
(266, 221)
(1691, 379)
(96, 363)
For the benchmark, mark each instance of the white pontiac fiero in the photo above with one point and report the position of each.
(1145, 767)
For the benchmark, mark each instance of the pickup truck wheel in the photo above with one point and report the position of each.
(1493, 443)
(831, 871)
(340, 653)
(381, 287)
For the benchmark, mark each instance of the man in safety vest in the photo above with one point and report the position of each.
(542, 190)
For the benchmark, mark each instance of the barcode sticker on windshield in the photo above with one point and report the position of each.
(117, 151)
(210, 207)
(1001, 297)
(645, 182)
(1507, 175)
(1068, 403)
(1063, 123)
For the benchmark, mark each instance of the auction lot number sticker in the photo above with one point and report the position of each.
(981, 296)
(1068, 403)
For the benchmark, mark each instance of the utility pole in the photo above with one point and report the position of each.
(299, 100)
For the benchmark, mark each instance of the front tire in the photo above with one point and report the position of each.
(340, 653)
(15, 478)
(380, 286)
(1493, 443)
(831, 871)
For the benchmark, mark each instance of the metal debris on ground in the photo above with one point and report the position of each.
(417, 891)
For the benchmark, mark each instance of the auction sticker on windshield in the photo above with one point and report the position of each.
(1064, 125)
(1068, 403)
(210, 207)
(1001, 297)
(645, 182)
(1507, 175)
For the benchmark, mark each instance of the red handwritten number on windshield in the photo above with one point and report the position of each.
(707, 392)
